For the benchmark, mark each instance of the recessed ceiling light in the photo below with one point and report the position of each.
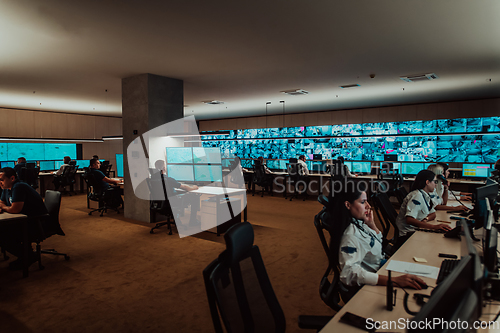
(213, 102)
(419, 77)
(350, 86)
(295, 92)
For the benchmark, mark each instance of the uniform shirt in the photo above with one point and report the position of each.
(418, 205)
(22, 192)
(436, 198)
(18, 166)
(305, 170)
(61, 169)
(360, 255)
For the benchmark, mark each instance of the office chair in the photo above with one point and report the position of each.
(105, 168)
(262, 179)
(295, 179)
(49, 225)
(392, 180)
(240, 295)
(29, 176)
(68, 178)
(95, 191)
(387, 216)
(401, 194)
(332, 291)
(158, 189)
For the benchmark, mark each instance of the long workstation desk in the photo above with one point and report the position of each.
(370, 302)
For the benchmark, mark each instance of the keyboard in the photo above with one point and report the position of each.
(446, 267)
(436, 231)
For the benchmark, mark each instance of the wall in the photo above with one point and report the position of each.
(445, 110)
(42, 124)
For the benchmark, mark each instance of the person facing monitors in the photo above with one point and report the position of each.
(440, 195)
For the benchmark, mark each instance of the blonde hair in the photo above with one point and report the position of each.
(438, 170)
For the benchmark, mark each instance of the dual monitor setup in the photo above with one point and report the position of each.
(460, 295)
(194, 164)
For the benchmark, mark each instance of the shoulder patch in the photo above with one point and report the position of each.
(348, 249)
(416, 202)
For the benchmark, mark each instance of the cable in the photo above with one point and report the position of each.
(460, 202)
(416, 296)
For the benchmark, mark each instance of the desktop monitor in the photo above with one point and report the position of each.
(490, 239)
(82, 163)
(476, 170)
(246, 163)
(452, 299)
(206, 155)
(391, 157)
(177, 155)
(292, 160)
(208, 173)
(318, 166)
(47, 165)
(283, 164)
(317, 157)
(363, 167)
(227, 162)
(9, 164)
(119, 165)
(181, 172)
(411, 168)
(58, 164)
(487, 191)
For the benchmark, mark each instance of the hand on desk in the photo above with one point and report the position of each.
(409, 280)
(440, 227)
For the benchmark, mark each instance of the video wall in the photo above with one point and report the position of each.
(465, 140)
(37, 151)
(194, 164)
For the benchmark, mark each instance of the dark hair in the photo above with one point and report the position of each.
(93, 161)
(341, 159)
(159, 164)
(444, 165)
(67, 159)
(302, 156)
(421, 180)
(9, 172)
(22, 160)
(95, 157)
(497, 165)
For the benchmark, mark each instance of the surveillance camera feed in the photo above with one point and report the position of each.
(412, 143)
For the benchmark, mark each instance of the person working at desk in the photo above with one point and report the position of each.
(417, 208)
(18, 198)
(21, 163)
(173, 184)
(446, 173)
(58, 173)
(347, 172)
(116, 193)
(360, 245)
(440, 195)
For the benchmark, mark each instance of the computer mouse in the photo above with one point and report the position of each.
(422, 285)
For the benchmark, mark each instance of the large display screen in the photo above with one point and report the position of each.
(47, 166)
(476, 170)
(181, 172)
(119, 165)
(179, 155)
(208, 173)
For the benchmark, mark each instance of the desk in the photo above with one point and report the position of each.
(7, 219)
(218, 193)
(47, 176)
(370, 301)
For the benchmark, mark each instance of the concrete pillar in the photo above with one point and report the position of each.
(148, 101)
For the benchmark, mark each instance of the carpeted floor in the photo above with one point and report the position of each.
(121, 278)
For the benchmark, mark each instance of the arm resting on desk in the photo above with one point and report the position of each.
(424, 223)
(15, 208)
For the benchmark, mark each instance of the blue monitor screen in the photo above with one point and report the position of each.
(476, 170)
(58, 164)
(273, 164)
(206, 155)
(30, 151)
(179, 155)
(82, 163)
(283, 164)
(9, 164)
(47, 165)
(361, 167)
(208, 173)
(181, 172)
(247, 164)
(119, 165)
(395, 166)
(226, 162)
(56, 151)
(412, 168)
(349, 165)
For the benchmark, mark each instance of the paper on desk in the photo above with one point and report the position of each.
(411, 268)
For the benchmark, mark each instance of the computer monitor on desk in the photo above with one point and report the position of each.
(47, 165)
(361, 167)
(6, 164)
(489, 192)
(490, 240)
(475, 170)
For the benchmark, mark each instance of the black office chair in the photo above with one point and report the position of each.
(29, 176)
(105, 168)
(68, 178)
(96, 192)
(332, 291)
(401, 194)
(296, 180)
(49, 225)
(158, 189)
(262, 179)
(240, 295)
(387, 216)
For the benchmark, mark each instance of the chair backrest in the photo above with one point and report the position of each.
(293, 171)
(239, 291)
(53, 204)
(91, 181)
(389, 214)
(69, 174)
(401, 194)
(29, 176)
